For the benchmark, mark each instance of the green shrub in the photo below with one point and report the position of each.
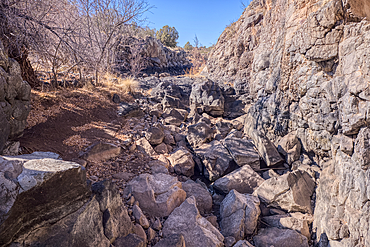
(168, 36)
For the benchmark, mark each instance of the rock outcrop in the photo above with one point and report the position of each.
(14, 99)
(155, 56)
(304, 67)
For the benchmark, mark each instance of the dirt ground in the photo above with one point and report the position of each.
(67, 121)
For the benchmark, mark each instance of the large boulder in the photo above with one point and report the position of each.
(290, 147)
(216, 159)
(14, 99)
(207, 97)
(155, 135)
(239, 215)
(295, 221)
(158, 194)
(243, 180)
(201, 195)
(291, 191)
(242, 151)
(199, 133)
(197, 231)
(279, 238)
(265, 147)
(38, 191)
(53, 206)
(182, 161)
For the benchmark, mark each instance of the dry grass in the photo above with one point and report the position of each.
(114, 82)
(194, 71)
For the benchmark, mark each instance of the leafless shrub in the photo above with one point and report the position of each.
(67, 35)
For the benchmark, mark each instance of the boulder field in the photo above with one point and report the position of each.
(270, 147)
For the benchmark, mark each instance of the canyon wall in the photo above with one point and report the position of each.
(305, 66)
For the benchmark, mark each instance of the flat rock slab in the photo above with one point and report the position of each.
(239, 215)
(243, 152)
(291, 191)
(216, 159)
(197, 231)
(243, 180)
(279, 238)
(158, 194)
(101, 151)
(37, 191)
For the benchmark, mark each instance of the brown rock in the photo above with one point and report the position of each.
(182, 161)
(101, 151)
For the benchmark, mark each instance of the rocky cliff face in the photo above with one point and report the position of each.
(305, 67)
(153, 55)
(14, 99)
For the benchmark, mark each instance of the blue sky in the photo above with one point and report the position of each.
(206, 19)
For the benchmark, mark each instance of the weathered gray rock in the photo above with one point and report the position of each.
(362, 148)
(59, 186)
(291, 191)
(295, 221)
(290, 147)
(158, 194)
(207, 96)
(346, 144)
(216, 159)
(239, 215)
(95, 223)
(202, 196)
(172, 102)
(199, 133)
(175, 116)
(197, 231)
(265, 147)
(161, 148)
(174, 240)
(157, 56)
(222, 129)
(116, 221)
(304, 69)
(243, 243)
(182, 161)
(243, 180)
(154, 135)
(131, 240)
(14, 99)
(243, 152)
(140, 217)
(101, 151)
(279, 238)
(354, 114)
(144, 146)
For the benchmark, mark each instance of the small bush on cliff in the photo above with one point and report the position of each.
(168, 36)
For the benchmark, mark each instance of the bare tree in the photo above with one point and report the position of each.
(69, 34)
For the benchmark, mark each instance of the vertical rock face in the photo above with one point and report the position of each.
(305, 67)
(14, 99)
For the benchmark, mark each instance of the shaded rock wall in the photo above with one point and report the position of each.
(305, 65)
(14, 99)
